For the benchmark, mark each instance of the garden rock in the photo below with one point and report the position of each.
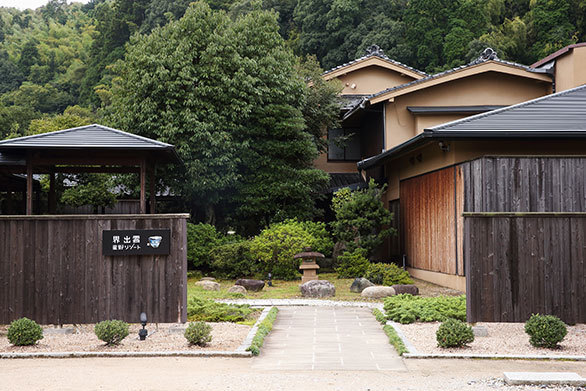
(208, 279)
(251, 285)
(317, 288)
(208, 285)
(359, 284)
(409, 288)
(377, 292)
(237, 289)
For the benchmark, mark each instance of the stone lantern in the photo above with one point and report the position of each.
(309, 265)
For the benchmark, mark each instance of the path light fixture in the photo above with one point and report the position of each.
(142, 333)
(270, 283)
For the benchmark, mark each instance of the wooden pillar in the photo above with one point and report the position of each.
(52, 196)
(152, 190)
(143, 186)
(29, 186)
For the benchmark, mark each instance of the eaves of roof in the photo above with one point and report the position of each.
(416, 73)
(557, 54)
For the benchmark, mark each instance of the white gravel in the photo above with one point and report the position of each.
(225, 337)
(503, 338)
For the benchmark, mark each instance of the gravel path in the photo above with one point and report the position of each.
(503, 338)
(225, 337)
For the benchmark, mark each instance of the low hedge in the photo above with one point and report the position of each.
(407, 308)
(380, 317)
(264, 329)
(211, 311)
(395, 340)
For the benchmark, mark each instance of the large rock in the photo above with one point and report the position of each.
(208, 285)
(251, 285)
(359, 284)
(411, 289)
(378, 292)
(208, 279)
(318, 288)
(237, 289)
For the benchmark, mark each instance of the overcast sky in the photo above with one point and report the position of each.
(24, 4)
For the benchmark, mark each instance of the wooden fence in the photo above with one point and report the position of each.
(523, 263)
(52, 270)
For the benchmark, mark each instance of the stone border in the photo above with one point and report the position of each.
(239, 352)
(300, 303)
(413, 353)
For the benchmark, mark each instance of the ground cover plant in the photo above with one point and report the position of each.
(545, 331)
(380, 317)
(408, 309)
(198, 333)
(207, 310)
(395, 340)
(24, 331)
(264, 328)
(387, 274)
(111, 331)
(454, 333)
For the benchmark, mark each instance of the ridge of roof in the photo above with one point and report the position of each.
(557, 53)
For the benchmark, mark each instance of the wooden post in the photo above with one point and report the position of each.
(152, 194)
(143, 186)
(29, 186)
(52, 196)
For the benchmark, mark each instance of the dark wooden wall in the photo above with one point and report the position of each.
(52, 270)
(523, 264)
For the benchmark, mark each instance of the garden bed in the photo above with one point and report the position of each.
(225, 337)
(503, 338)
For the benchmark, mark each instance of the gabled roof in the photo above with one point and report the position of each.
(90, 136)
(557, 54)
(374, 56)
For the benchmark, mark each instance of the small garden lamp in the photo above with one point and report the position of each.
(270, 283)
(142, 333)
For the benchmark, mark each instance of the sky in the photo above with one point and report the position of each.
(24, 4)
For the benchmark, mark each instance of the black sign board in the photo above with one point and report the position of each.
(136, 242)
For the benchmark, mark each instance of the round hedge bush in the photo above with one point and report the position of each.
(198, 333)
(24, 331)
(454, 333)
(545, 331)
(111, 331)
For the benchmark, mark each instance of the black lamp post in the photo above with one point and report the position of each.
(142, 333)
(270, 280)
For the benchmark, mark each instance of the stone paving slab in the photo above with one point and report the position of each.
(544, 378)
(301, 302)
(327, 338)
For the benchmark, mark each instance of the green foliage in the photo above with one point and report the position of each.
(380, 317)
(201, 239)
(264, 328)
(387, 274)
(322, 241)
(24, 331)
(275, 247)
(453, 333)
(545, 331)
(198, 333)
(210, 311)
(408, 309)
(353, 264)
(233, 260)
(111, 331)
(90, 189)
(395, 340)
(360, 217)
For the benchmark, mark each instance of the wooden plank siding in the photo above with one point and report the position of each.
(520, 264)
(52, 270)
(431, 222)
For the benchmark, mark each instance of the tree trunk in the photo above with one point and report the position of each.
(210, 214)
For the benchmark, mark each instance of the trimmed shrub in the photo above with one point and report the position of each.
(408, 309)
(380, 317)
(353, 264)
(322, 240)
(387, 274)
(264, 328)
(233, 260)
(24, 331)
(275, 247)
(395, 340)
(201, 239)
(545, 331)
(198, 333)
(454, 333)
(211, 311)
(111, 331)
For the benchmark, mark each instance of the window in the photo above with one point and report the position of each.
(343, 144)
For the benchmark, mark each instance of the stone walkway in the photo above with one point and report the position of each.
(327, 338)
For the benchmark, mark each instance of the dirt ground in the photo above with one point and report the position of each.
(237, 374)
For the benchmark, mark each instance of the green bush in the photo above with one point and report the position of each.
(275, 247)
(211, 311)
(408, 309)
(264, 328)
(24, 331)
(111, 331)
(233, 260)
(453, 333)
(353, 264)
(380, 317)
(198, 333)
(387, 274)
(545, 330)
(201, 239)
(322, 241)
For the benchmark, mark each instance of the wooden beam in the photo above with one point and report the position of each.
(101, 170)
(152, 190)
(143, 186)
(29, 187)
